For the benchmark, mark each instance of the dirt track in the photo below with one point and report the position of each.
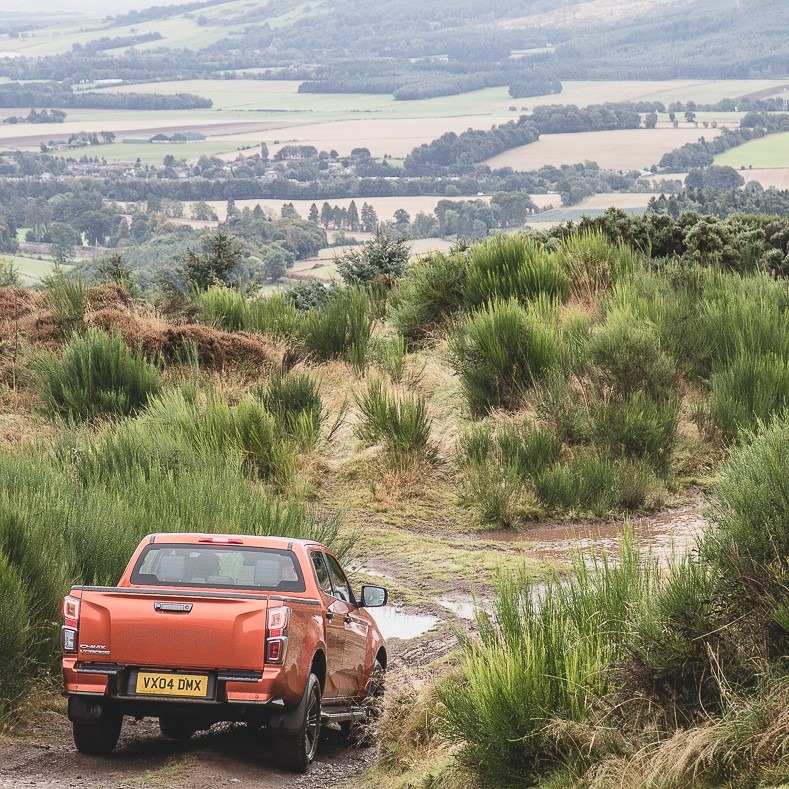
(224, 756)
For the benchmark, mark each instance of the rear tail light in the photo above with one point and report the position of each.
(70, 624)
(277, 620)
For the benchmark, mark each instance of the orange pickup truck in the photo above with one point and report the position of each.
(205, 628)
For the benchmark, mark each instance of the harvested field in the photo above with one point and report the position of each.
(631, 149)
(617, 200)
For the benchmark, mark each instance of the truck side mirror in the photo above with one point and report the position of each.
(374, 596)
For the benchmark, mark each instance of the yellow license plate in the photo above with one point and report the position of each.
(149, 683)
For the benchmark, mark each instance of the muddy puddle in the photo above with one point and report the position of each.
(394, 623)
(666, 535)
(461, 606)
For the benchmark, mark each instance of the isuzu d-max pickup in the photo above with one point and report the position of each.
(205, 628)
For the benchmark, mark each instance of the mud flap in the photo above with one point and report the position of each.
(82, 709)
(292, 721)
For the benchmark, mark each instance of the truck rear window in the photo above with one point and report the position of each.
(225, 567)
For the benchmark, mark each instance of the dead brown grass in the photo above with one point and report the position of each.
(17, 302)
(215, 349)
(108, 296)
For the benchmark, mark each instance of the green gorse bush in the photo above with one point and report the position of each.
(97, 374)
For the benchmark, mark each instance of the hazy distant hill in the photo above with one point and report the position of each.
(340, 41)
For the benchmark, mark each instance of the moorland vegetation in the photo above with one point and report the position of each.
(594, 370)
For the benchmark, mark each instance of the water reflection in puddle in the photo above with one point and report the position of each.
(666, 535)
(397, 624)
(462, 607)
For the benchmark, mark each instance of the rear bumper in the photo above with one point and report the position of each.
(232, 695)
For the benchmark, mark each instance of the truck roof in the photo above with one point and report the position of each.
(258, 541)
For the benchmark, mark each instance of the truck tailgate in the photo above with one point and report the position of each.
(172, 629)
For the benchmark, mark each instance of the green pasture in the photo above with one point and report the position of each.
(770, 151)
(31, 270)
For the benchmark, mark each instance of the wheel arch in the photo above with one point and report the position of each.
(318, 667)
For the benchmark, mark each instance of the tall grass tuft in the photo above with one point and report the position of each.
(15, 612)
(429, 295)
(97, 374)
(232, 310)
(500, 352)
(593, 263)
(513, 266)
(340, 329)
(544, 654)
(294, 400)
(217, 428)
(401, 423)
(752, 388)
(67, 299)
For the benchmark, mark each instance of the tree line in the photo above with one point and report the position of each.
(57, 94)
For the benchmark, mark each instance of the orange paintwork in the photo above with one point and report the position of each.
(224, 632)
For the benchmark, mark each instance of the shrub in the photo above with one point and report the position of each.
(341, 329)
(591, 482)
(391, 355)
(430, 294)
(752, 388)
(96, 374)
(628, 357)
(637, 426)
(593, 263)
(512, 266)
(380, 258)
(543, 655)
(402, 423)
(306, 295)
(749, 540)
(500, 352)
(294, 400)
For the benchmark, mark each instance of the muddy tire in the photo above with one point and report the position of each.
(361, 732)
(100, 738)
(175, 728)
(296, 751)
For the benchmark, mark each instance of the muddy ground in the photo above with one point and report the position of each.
(42, 754)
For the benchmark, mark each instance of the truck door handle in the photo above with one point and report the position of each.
(330, 615)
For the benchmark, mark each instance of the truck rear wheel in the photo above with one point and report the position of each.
(296, 751)
(101, 737)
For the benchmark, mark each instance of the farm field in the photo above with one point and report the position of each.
(248, 112)
(283, 95)
(630, 149)
(771, 151)
(32, 270)
(617, 200)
